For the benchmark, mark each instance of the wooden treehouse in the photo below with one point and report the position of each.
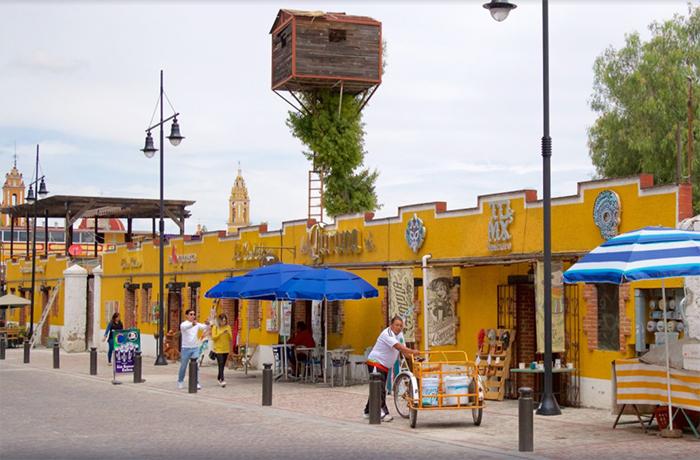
(314, 50)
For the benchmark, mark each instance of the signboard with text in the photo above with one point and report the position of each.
(126, 343)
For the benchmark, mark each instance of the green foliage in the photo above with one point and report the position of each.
(641, 95)
(335, 143)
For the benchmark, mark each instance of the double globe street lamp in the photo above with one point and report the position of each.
(39, 185)
(499, 11)
(149, 150)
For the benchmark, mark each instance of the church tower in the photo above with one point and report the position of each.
(12, 194)
(238, 205)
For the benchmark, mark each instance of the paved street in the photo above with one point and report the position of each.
(67, 413)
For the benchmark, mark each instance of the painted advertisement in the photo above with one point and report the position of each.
(442, 300)
(557, 307)
(401, 297)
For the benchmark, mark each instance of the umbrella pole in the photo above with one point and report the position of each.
(668, 365)
(325, 340)
(247, 341)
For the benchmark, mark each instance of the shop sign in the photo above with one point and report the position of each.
(606, 213)
(247, 252)
(415, 233)
(28, 269)
(126, 344)
(131, 262)
(183, 259)
(401, 296)
(319, 243)
(501, 217)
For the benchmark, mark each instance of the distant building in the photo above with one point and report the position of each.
(238, 205)
(12, 194)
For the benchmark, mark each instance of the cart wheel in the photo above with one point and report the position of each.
(413, 416)
(402, 394)
(476, 413)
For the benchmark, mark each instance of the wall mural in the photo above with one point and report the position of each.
(443, 295)
(415, 233)
(606, 213)
(401, 300)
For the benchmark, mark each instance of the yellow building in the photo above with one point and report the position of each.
(482, 266)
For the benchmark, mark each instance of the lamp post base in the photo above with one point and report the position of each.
(161, 361)
(548, 406)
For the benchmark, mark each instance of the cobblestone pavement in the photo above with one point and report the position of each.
(67, 413)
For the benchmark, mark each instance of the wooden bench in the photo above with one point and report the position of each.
(11, 336)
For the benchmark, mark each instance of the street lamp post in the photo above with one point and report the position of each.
(149, 150)
(499, 11)
(40, 186)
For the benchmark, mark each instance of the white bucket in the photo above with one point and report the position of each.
(456, 385)
(430, 387)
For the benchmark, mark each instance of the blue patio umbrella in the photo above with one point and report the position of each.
(648, 253)
(261, 283)
(326, 284)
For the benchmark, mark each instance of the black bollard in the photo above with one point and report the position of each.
(93, 361)
(2, 347)
(375, 398)
(192, 388)
(56, 357)
(26, 351)
(138, 362)
(267, 385)
(525, 428)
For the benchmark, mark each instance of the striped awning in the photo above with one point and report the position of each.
(640, 383)
(649, 253)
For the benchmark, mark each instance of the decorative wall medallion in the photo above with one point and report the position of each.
(415, 233)
(606, 213)
(501, 217)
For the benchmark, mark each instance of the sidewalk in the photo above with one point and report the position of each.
(577, 433)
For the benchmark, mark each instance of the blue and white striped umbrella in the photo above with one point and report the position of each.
(649, 253)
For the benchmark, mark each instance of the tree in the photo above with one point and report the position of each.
(335, 143)
(641, 95)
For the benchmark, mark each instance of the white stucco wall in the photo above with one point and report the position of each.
(74, 309)
(596, 393)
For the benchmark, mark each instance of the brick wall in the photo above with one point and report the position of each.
(129, 318)
(526, 336)
(685, 201)
(590, 320)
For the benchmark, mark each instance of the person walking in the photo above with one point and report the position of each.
(190, 349)
(222, 337)
(115, 324)
(383, 356)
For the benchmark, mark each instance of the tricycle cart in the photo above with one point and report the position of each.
(439, 380)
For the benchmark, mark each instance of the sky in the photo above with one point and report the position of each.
(458, 114)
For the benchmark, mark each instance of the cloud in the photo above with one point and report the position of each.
(44, 61)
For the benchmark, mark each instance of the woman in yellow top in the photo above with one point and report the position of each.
(222, 337)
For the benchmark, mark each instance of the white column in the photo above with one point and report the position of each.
(74, 309)
(97, 332)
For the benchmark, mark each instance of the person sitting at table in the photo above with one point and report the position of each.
(301, 338)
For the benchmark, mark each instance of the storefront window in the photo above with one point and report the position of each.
(608, 317)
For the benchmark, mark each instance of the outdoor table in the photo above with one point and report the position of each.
(537, 372)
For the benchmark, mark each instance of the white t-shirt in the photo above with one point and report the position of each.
(384, 352)
(189, 333)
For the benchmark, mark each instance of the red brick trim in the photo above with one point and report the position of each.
(685, 201)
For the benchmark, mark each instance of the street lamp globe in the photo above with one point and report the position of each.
(42, 189)
(499, 10)
(175, 136)
(30, 194)
(149, 150)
